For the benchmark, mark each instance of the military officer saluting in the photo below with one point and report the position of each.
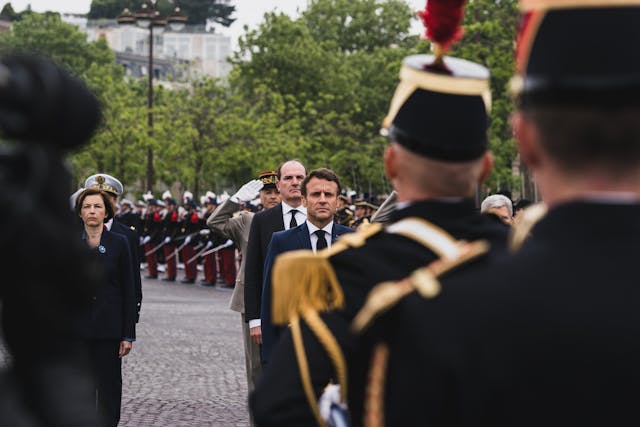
(115, 189)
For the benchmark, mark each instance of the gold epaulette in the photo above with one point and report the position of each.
(302, 279)
(423, 280)
(521, 231)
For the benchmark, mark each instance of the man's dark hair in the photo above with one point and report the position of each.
(321, 173)
(580, 138)
(279, 170)
(106, 198)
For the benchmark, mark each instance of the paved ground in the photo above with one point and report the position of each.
(187, 366)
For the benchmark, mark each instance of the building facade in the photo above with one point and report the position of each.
(193, 51)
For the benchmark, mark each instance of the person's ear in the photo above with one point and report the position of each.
(487, 165)
(390, 162)
(526, 136)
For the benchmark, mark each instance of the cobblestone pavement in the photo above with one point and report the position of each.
(187, 366)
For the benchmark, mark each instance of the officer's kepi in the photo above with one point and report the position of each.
(578, 53)
(433, 96)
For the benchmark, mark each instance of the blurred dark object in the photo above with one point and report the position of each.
(48, 271)
(40, 102)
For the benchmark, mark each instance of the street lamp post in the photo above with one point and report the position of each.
(149, 17)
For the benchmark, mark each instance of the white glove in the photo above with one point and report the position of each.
(167, 240)
(187, 240)
(228, 243)
(248, 192)
(146, 240)
(205, 231)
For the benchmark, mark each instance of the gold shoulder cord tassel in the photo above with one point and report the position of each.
(303, 367)
(374, 398)
(328, 341)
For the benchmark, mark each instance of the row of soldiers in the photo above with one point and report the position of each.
(170, 233)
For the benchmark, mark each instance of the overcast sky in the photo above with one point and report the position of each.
(248, 12)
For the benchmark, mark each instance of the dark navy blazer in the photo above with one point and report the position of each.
(111, 311)
(284, 241)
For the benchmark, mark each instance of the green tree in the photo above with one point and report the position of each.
(118, 145)
(8, 13)
(334, 78)
(47, 35)
(363, 25)
(490, 31)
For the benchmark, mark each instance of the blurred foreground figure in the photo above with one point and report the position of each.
(551, 336)
(43, 113)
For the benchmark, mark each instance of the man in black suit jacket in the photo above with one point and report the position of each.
(115, 188)
(264, 224)
(320, 190)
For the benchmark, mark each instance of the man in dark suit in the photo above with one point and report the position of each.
(437, 127)
(288, 214)
(550, 336)
(115, 189)
(320, 190)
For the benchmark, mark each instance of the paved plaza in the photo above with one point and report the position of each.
(187, 365)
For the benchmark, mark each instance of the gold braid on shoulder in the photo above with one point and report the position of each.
(304, 279)
(423, 280)
(521, 231)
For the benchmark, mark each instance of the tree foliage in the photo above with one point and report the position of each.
(490, 30)
(46, 34)
(315, 88)
(335, 79)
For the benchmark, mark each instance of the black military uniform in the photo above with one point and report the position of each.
(551, 336)
(131, 218)
(152, 237)
(171, 229)
(344, 215)
(190, 228)
(421, 123)
(365, 218)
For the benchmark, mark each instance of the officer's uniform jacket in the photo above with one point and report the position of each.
(279, 399)
(153, 226)
(549, 337)
(236, 228)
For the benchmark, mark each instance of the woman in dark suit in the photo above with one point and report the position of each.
(107, 322)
